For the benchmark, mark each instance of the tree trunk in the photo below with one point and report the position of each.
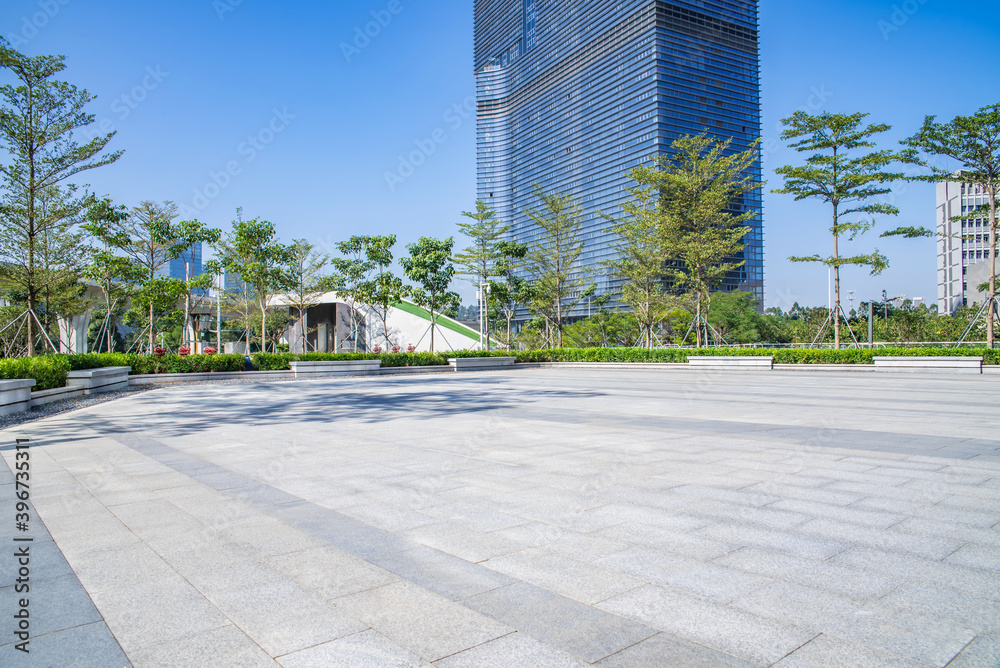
(150, 327)
(187, 304)
(991, 311)
(218, 318)
(697, 320)
(432, 333)
(836, 282)
(263, 329)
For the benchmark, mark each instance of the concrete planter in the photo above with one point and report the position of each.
(748, 363)
(412, 370)
(43, 397)
(94, 381)
(15, 395)
(481, 363)
(336, 368)
(930, 364)
(156, 378)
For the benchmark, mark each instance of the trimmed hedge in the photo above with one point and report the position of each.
(280, 361)
(49, 371)
(151, 364)
(781, 355)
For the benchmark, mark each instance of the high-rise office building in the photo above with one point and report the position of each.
(190, 260)
(963, 245)
(572, 95)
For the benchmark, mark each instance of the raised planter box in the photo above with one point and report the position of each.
(43, 397)
(411, 370)
(631, 366)
(481, 363)
(336, 368)
(94, 381)
(15, 395)
(747, 363)
(930, 364)
(157, 378)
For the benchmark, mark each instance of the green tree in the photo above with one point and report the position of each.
(382, 290)
(701, 220)
(430, 267)
(836, 174)
(187, 234)
(478, 261)
(253, 251)
(641, 258)
(147, 238)
(510, 291)
(974, 143)
(350, 273)
(552, 261)
(39, 211)
(308, 283)
(116, 274)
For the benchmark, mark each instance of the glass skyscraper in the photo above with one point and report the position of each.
(572, 95)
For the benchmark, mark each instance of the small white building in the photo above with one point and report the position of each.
(332, 325)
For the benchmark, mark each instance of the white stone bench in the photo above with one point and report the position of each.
(15, 395)
(336, 368)
(481, 363)
(930, 364)
(746, 363)
(94, 381)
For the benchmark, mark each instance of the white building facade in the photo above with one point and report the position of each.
(961, 244)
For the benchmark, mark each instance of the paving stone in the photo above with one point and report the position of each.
(156, 612)
(422, 622)
(960, 532)
(666, 650)
(361, 650)
(582, 546)
(887, 540)
(480, 519)
(463, 542)
(677, 543)
(441, 573)
(226, 646)
(120, 567)
(560, 574)
(794, 544)
(84, 646)
(968, 580)
(708, 580)
(827, 651)
(839, 513)
(747, 636)
(568, 625)
(768, 517)
(920, 497)
(934, 639)
(330, 572)
(515, 649)
(46, 560)
(972, 612)
(976, 556)
(847, 582)
(983, 651)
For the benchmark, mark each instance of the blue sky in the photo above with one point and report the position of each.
(222, 104)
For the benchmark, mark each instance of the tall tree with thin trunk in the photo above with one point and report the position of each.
(253, 251)
(187, 234)
(553, 260)
(510, 291)
(148, 239)
(350, 273)
(38, 118)
(429, 266)
(382, 289)
(307, 283)
(116, 274)
(974, 143)
(478, 261)
(700, 185)
(849, 182)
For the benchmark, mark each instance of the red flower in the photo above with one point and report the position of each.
(395, 349)
(377, 349)
(209, 350)
(183, 351)
(159, 351)
(410, 348)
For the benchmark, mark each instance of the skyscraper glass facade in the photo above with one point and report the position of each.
(572, 95)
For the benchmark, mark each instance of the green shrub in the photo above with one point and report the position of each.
(781, 355)
(413, 359)
(49, 371)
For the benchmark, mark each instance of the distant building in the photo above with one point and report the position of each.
(573, 95)
(962, 244)
(190, 260)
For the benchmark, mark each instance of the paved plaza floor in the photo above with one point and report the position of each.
(545, 518)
